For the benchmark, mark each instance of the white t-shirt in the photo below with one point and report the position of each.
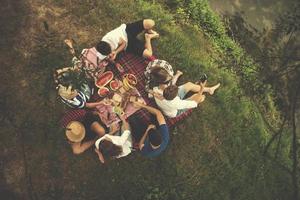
(124, 141)
(113, 37)
(171, 107)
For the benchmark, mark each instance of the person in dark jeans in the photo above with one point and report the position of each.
(125, 38)
(152, 138)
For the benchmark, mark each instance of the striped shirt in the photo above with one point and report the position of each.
(82, 97)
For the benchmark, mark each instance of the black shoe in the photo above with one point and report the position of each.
(203, 78)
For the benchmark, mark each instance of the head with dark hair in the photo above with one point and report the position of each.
(160, 75)
(170, 92)
(154, 137)
(109, 149)
(70, 77)
(103, 48)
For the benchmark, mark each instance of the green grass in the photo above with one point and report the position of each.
(215, 155)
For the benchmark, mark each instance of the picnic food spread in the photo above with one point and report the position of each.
(118, 97)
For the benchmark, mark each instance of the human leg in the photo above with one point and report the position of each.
(212, 89)
(191, 87)
(138, 127)
(98, 129)
(148, 46)
(136, 46)
(148, 24)
(135, 28)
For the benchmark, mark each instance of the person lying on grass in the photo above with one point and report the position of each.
(152, 138)
(111, 146)
(125, 38)
(172, 99)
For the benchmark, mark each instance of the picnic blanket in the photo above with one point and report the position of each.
(135, 65)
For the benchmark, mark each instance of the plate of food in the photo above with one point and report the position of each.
(104, 79)
(103, 91)
(129, 81)
(114, 85)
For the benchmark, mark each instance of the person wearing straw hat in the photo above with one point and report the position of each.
(82, 135)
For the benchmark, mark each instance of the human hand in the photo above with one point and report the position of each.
(179, 73)
(112, 56)
(100, 156)
(202, 84)
(114, 128)
(138, 104)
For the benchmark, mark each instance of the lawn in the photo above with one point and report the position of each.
(214, 155)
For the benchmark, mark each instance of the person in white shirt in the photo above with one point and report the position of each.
(171, 99)
(113, 146)
(125, 38)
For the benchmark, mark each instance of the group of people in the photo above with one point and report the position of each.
(172, 100)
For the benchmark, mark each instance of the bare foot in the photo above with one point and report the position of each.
(151, 31)
(151, 35)
(213, 88)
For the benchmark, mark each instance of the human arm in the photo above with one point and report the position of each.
(156, 94)
(159, 116)
(125, 130)
(93, 104)
(176, 76)
(79, 148)
(125, 125)
(121, 47)
(69, 43)
(100, 156)
(113, 129)
(142, 140)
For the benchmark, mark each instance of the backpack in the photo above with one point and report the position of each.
(91, 64)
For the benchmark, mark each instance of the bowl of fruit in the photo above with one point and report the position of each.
(129, 81)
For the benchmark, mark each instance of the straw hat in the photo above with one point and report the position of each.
(75, 131)
(66, 92)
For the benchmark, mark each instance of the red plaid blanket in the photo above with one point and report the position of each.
(135, 65)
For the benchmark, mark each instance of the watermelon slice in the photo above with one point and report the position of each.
(104, 79)
(103, 91)
(114, 85)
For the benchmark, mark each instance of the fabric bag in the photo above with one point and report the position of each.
(91, 63)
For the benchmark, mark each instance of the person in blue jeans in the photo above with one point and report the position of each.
(154, 137)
